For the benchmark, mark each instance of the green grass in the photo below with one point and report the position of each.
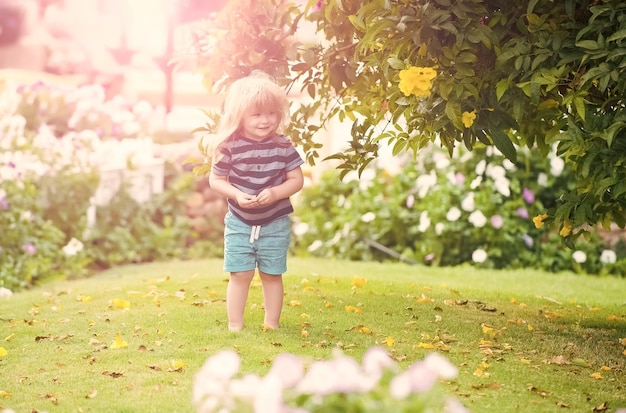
(524, 341)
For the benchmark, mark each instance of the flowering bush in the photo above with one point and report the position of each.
(340, 384)
(475, 207)
(54, 142)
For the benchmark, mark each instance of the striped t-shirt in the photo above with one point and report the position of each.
(252, 166)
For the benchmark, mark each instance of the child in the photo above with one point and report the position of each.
(257, 170)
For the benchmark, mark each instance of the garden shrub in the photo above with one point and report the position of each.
(475, 207)
(49, 172)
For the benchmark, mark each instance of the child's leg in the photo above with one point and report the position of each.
(273, 293)
(236, 297)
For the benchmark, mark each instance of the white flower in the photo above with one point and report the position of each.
(479, 256)
(441, 365)
(502, 186)
(221, 366)
(608, 257)
(508, 165)
(424, 183)
(424, 223)
(480, 167)
(368, 217)
(476, 182)
(288, 368)
(468, 202)
(579, 256)
(556, 165)
(453, 214)
(478, 219)
(495, 172)
(73, 247)
(439, 227)
(410, 201)
(542, 179)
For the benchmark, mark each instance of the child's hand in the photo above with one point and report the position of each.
(247, 201)
(266, 197)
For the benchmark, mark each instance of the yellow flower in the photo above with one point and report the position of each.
(417, 81)
(468, 118)
(538, 220)
(567, 228)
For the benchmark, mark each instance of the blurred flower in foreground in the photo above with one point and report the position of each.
(338, 384)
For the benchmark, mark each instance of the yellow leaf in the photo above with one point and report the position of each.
(612, 317)
(308, 288)
(295, 303)
(4, 394)
(85, 299)
(352, 309)
(513, 301)
(595, 309)
(426, 345)
(3, 352)
(424, 299)
(524, 360)
(365, 330)
(478, 372)
(358, 281)
(92, 394)
(119, 343)
(622, 341)
(529, 327)
(304, 333)
(119, 303)
(327, 304)
(305, 315)
(389, 341)
(178, 364)
(597, 376)
(9, 337)
(606, 368)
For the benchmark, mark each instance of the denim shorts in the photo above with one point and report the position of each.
(268, 251)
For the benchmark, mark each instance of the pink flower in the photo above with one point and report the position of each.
(528, 195)
(29, 248)
(497, 222)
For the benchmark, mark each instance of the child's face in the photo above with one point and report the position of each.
(259, 123)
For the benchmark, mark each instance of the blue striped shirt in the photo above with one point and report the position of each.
(252, 166)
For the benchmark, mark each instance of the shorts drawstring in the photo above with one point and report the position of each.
(254, 233)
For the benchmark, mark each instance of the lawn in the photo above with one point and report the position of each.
(131, 339)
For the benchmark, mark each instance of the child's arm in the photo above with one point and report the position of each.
(222, 186)
(293, 183)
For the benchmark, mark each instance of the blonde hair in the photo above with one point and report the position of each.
(256, 90)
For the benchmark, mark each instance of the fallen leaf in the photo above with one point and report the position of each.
(596, 376)
(49, 396)
(358, 281)
(119, 303)
(92, 394)
(580, 362)
(3, 352)
(4, 394)
(352, 309)
(295, 303)
(601, 408)
(9, 337)
(390, 341)
(113, 374)
(119, 343)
